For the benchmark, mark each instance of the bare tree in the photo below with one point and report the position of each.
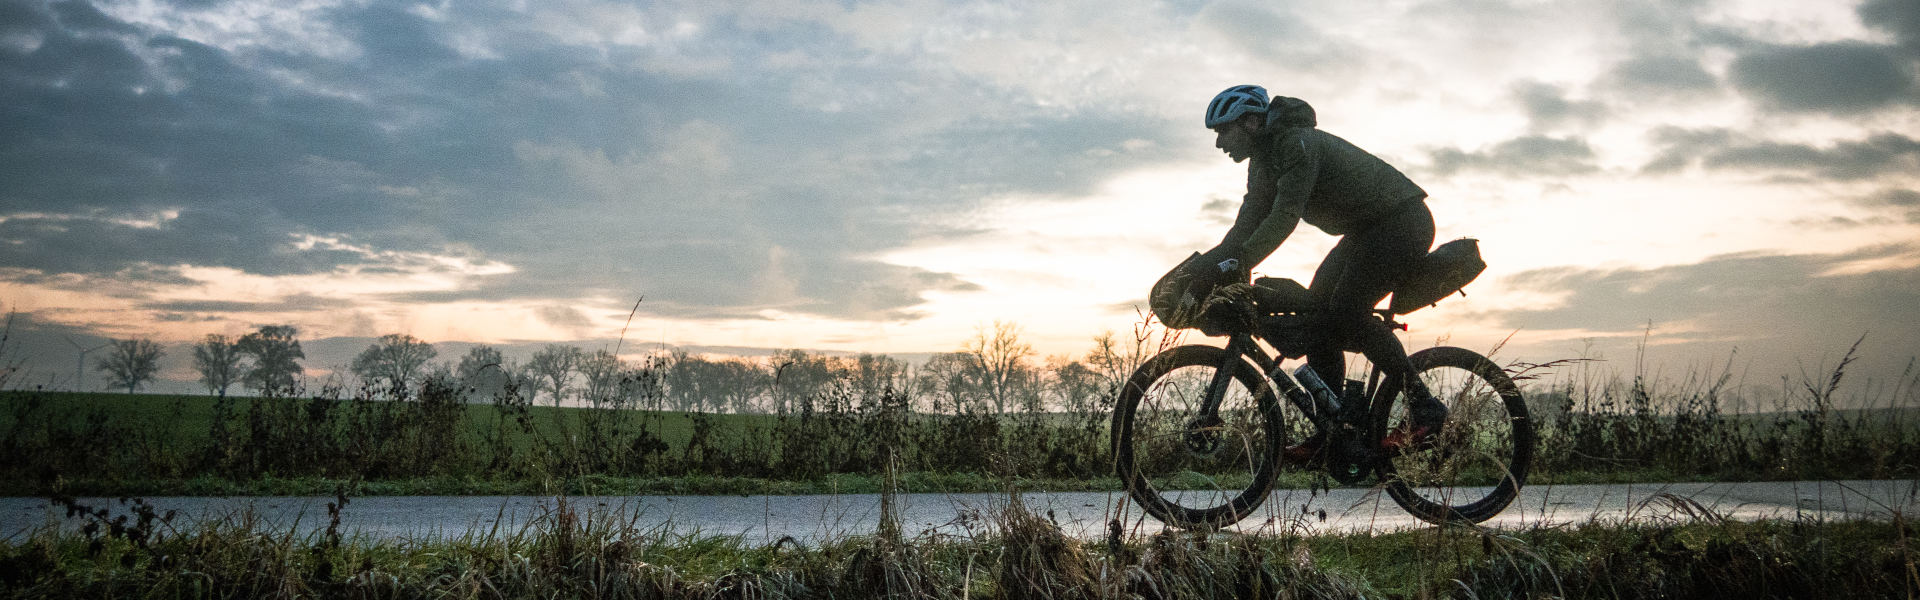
(692, 381)
(478, 359)
(131, 363)
(482, 372)
(602, 371)
(1073, 387)
(875, 375)
(526, 383)
(439, 374)
(800, 379)
(394, 359)
(555, 365)
(695, 383)
(741, 384)
(274, 350)
(220, 363)
(1003, 362)
(642, 386)
(952, 381)
(1114, 360)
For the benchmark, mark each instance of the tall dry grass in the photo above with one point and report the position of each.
(1011, 552)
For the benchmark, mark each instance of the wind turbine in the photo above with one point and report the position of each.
(80, 366)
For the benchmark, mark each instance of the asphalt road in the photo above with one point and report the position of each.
(811, 519)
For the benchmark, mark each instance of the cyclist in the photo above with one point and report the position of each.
(1297, 173)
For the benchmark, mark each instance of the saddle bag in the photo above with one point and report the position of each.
(1439, 274)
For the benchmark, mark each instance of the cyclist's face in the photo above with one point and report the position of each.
(1236, 139)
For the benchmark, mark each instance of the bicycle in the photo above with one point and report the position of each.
(1199, 434)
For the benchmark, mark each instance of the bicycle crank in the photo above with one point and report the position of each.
(1350, 462)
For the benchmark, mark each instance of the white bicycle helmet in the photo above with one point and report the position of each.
(1235, 101)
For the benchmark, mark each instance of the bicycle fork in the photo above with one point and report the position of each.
(1203, 431)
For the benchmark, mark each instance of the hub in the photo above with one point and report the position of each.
(1203, 435)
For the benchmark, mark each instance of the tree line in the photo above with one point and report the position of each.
(995, 371)
(266, 361)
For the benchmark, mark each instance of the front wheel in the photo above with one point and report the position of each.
(1474, 467)
(1186, 467)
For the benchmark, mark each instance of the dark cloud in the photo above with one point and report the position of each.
(565, 317)
(395, 39)
(1846, 160)
(102, 243)
(1661, 77)
(79, 15)
(1841, 78)
(1903, 202)
(1548, 107)
(23, 18)
(1898, 198)
(295, 303)
(1784, 308)
(1271, 31)
(407, 146)
(1899, 17)
(1527, 156)
(1681, 147)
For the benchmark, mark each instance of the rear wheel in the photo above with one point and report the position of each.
(1474, 466)
(1185, 468)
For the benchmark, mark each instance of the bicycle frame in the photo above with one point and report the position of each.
(1243, 345)
(1350, 442)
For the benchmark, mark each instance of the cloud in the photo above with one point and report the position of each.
(1874, 156)
(765, 161)
(1663, 77)
(1779, 308)
(1272, 32)
(602, 164)
(1548, 107)
(1904, 202)
(1841, 78)
(1899, 17)
(82, 16)
(293, 303)
(1526, 156)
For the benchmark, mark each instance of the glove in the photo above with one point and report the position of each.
(1207, 272)
(1225, 262)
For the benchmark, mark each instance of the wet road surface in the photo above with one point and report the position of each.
(812, 519)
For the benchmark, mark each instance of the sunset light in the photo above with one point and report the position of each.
(1705, 182)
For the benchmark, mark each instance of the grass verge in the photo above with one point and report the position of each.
(1011, 554)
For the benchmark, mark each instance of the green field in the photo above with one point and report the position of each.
(148, 444)
(184, 421)
(114, 444)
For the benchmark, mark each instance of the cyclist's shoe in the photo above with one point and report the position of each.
(1305, 452)
(1425, 418)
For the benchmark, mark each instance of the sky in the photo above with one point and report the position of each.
(1670, 186)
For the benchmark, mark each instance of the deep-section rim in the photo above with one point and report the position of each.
(1502, 494)
(1142, 492)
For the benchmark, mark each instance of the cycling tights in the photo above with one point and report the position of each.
(1360, 271)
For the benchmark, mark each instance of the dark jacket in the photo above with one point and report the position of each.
(1308, 174)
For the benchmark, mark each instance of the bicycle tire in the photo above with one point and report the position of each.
(1478, 462)
(1149, 455)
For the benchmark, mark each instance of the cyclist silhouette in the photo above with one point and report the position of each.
(1298, 172)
